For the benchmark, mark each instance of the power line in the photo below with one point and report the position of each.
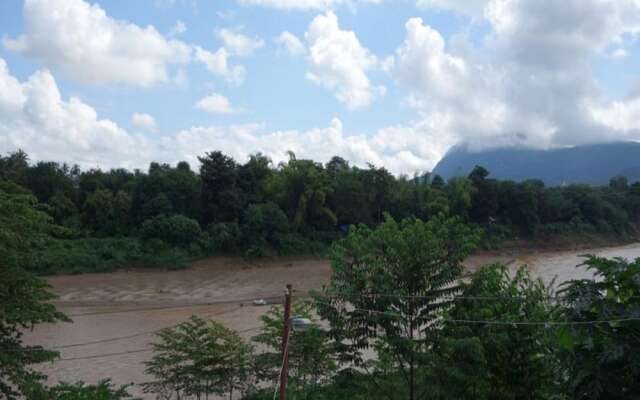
(545, 323)
(243, 301)
(504, 323)
(118, 338)
(177, 307)
(105, 355)
(249, 329)
(94, 356)
(440, 297)
(388, 313)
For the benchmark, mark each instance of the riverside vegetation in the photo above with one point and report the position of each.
(399, 322)
(171, 214)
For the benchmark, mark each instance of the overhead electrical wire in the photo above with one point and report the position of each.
(243, 301)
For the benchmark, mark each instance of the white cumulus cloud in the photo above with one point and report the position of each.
(304, 5)
(218, 64)
(340, 63)
(216, 103)
(37, 119)
(83, 42)
(178, 28)
(401, 149)
(291, 43)
(536, 87)
(144, 121)
(472, 8)
(239, 44)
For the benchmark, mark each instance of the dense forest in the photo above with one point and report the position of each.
(170, 214)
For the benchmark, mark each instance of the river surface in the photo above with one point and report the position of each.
(115, 314)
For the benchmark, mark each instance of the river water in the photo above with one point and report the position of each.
(115, 314)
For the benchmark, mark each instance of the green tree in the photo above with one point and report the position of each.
(253, 178)
(388, 289)
(221, 195)
(602, 360)
(619, 183)
(348, 196)
(409, 198)
(14, 167)
(115, 180)
(311, 357)
(498, 361)
(301, 188)
(24, 298)
(46, 178)
(166, 190)
(484, 197)
(224, 236)
(263, 224)
(176, 230)
(157, 206)
(63, 210)
(198, 358)
(437, 182)
(519, 204)
(378, 182)
(107, 213)
(460, 191)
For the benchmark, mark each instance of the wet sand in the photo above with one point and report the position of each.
(114, 314)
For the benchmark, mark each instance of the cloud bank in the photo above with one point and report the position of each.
(527, 81)
(34, 117)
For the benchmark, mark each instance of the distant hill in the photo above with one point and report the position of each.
(591, 164)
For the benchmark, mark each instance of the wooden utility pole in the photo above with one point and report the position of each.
(284, 372)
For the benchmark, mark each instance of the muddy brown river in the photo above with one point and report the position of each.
(115, 314)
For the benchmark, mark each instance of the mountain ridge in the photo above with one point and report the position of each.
(593, 164)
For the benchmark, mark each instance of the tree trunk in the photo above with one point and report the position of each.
(412, 375)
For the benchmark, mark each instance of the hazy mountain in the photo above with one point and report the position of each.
(592, 164)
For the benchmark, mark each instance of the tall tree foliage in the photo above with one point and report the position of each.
(198, 358)
(221, 196)
(602, 360)
(311, 359)
(482, 356)
(107, 213)
(14, 167)
(24, 299)
(379, 183)
(388, 288)
(301, 187)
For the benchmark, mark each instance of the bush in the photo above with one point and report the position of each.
(261, 227)
(176, 230)
(494, 235)
(224, 236)
(102, 255)
(104, 390)
(294, 243)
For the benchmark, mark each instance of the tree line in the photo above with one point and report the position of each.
(169, 214)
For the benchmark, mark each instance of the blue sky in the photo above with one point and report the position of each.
(395, 83)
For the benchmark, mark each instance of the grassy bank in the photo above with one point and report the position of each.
(91, 255)
(74, 256)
